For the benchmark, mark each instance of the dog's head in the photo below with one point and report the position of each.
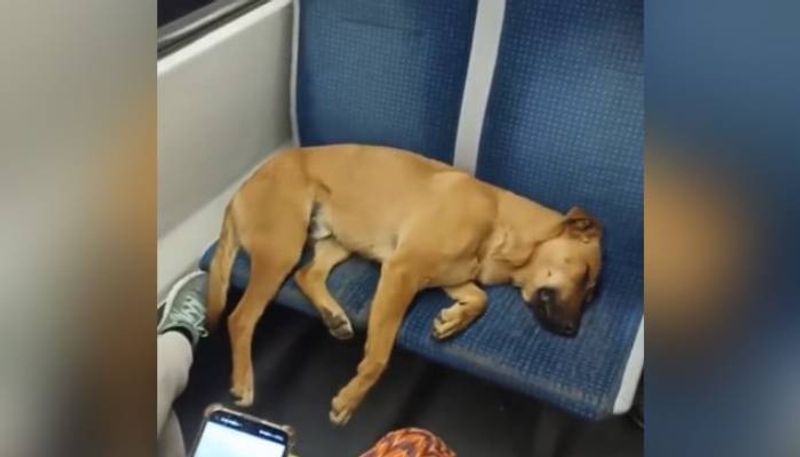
(560, 275)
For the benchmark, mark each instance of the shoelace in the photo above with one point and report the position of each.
(192, 312)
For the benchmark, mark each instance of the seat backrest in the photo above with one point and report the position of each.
(564, 121)
(382, 72)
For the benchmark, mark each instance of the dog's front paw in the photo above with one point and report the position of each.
(449, 322)
(341, 410)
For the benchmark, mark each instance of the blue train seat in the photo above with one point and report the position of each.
(557, 92)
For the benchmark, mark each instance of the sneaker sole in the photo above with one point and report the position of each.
(168, 302)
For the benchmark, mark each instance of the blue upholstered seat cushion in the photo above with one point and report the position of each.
(564, 126)
(506, 345)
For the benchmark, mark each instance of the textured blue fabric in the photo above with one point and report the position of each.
(383, 72)
(564, 126)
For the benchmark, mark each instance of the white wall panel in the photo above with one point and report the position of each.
(223, 106)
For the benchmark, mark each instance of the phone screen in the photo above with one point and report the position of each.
(230, 435)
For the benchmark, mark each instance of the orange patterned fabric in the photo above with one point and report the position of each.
(410, 442)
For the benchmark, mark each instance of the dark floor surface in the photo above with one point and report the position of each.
(299, 368)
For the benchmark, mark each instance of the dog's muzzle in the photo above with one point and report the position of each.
(548, 312)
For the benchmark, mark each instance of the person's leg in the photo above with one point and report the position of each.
(181, 324)
(174, 357)
(170, 441)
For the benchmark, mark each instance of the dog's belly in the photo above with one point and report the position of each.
(380, 245)
(377, 250)
(366, 243)
(440, 215)
(373, 248)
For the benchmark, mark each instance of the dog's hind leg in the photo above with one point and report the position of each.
(267, 273)
(271, 261)
(220, 271)
(272, 229)
(312, 281)
(470, 304)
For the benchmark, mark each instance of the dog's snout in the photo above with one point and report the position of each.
(546, 295)
(553, 317)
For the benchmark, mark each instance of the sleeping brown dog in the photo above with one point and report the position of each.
(427, 223)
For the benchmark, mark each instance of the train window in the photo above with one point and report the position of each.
(182, 21)
(170, 10)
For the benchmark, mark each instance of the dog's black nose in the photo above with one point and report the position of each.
(569, 329)
(546, 295)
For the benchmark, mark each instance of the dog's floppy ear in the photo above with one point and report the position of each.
(580, 224)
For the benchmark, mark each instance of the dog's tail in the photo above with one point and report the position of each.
(220, 271)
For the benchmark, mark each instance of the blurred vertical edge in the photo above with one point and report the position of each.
(77, 195)
(721, 218)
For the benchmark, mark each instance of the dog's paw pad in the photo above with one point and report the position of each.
(244, 396)
(339, 326)
(339, 418)
(445, 326)
(343, 332)
(339, 414)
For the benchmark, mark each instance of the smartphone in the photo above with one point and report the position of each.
(229, 433)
